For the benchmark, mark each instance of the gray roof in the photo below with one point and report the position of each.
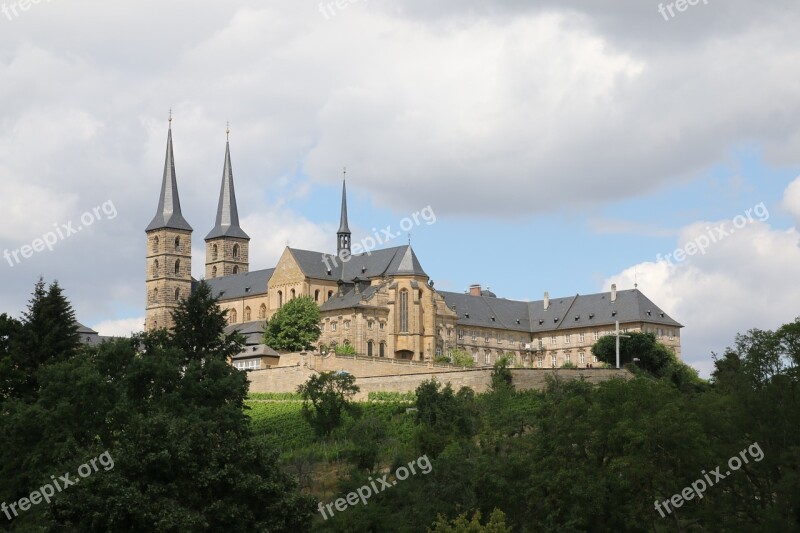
(384, 262)
(169, 213)
(227, 224)
(241, 285)
(350, 298)
(343, 227)
(563, 313)
(260, 350)
(253, 332)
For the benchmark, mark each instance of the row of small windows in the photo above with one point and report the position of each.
(215, 252)
(234, 271)
(233, 315)
(177, 243)
(567, 338)
(157, 266)
(154, 295)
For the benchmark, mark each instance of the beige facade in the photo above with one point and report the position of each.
(168, 275)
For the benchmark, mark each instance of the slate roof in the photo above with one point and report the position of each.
(350, 298)
(252, 332)
(563, 313)
(227, 224)
(241, 285)
(376, 263)
(168, 214)
(343, 227)
(260, 350)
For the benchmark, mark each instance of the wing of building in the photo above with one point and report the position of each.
(382, 302)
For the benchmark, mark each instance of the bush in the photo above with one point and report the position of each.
(345, 349)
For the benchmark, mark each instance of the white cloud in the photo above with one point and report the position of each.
(791, 200)
(120, 328)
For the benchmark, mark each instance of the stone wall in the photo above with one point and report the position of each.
(374, 376)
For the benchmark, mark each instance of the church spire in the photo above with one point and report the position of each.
(169, 204)
(343, 235)
(227, 224)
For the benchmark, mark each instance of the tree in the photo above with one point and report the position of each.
(501, 375)
(327, 396)
(496, 524)
(443, 416)
(295, 326)
(345, 349)
(461, 357)
(653, 356)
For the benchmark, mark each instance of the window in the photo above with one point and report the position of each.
(541, 343)
(486, 336)
(486, 357)
(236, 251)
(567, 339)
(177, 295)
(235, 269)
(177, 243)
(540, 361)
(316, 295)
(594, 359)
(232, 316)
(214, 252)
(660, 331)
(474, 335)
(382, 349)
(403, 311)
(248, 364)
(247, 314)
(461, 334)
(369, 348)
(596, 335)
(154, 299)
(499, 339)
(280, 299)
(292, 293)
(262, 312)
(475, 357)
(553, 340)
(671, 334)
(177, 267)
(370, 323)
(567, 358)
(346, 325)
(450, 332)
(155, 268)
(582, 358)
(155, 245)
(582, 338)
(553, 360)
(382, 325)
(214, 272)
(333, 326)
(330, 295)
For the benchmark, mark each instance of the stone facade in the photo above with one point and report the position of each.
(168, 275)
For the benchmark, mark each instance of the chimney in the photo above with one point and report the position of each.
(475, 290)
(546, 301)
(613, 292)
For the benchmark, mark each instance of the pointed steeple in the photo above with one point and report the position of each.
(169, 205)
(227, 224)
(343, 235)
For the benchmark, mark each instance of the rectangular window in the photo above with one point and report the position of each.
(582, 337)
(333, 326)
(540, 361)
(553, 360)
(486, 357)
(567, 339)
(404, 311)
(594, 359)
(461, 334)
(567, 357)
(541, 343)
(596, 335)
(499, 339)
(381, 325)
(671, 334)
(346, 324)
(553, 341)
(660, 331)
(474, 335)
(369, 324)
(486, 336)
(582, 358)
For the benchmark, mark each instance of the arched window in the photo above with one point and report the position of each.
(280, 299)
(247, 314)
(369, 348)
(213, 272)
(262, 312)
(155, 268)
(420, 295)
(155, 245)
(177, 267)
(316, 295)
(177, 295)
(292, 293)
(382, 349)
(330, 295)
(235, 269)
(155, 295)
(232, 316)
(404, 311)
(177, 243)
(236, 251)
(214, 252)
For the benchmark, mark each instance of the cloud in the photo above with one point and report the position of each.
(743, 281)
(120, 328)
(791, 200)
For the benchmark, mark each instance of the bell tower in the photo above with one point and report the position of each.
(169, 251)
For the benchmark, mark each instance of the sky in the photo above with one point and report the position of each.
(561, 146)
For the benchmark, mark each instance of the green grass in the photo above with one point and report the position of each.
(277, 396)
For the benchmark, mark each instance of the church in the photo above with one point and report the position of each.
(382, 302)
